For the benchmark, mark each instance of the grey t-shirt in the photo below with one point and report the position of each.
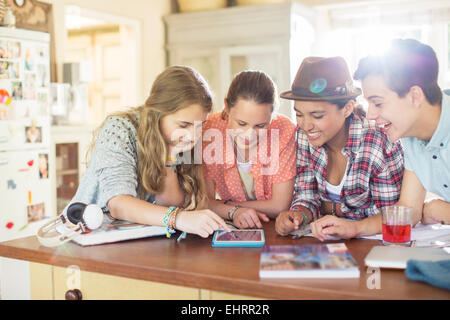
(112, 169)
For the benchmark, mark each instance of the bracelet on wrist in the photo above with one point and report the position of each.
(232, 211)
(173, 218)
(166, 219)
(297, 209)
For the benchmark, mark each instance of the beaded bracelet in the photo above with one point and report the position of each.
(173, 218)
(166, 220)
(303, 214)
(232, 211)
(173, 164)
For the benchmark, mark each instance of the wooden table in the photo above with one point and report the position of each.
(163, 268)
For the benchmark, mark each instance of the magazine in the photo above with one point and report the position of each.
(115, 231)
(308, 261)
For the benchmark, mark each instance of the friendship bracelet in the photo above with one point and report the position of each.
(303, 214)
(166, 220)
(173, 218)
(174, 166)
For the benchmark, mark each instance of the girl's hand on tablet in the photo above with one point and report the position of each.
(248, 218)
(200, 222)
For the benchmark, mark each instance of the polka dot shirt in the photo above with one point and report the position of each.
(275, 160)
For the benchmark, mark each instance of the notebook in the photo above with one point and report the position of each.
(397, 257)
(114, 231)
(307, 261)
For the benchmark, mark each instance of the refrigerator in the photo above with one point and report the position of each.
(25, 187)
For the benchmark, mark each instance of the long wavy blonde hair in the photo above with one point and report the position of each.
(175, 88)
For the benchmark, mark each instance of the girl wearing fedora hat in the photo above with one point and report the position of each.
(346, 169)
(250, 162)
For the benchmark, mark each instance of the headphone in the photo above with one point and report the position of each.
(80, 218)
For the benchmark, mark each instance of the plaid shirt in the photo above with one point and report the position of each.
(374, 172)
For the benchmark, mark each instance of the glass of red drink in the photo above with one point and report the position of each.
(397, 222)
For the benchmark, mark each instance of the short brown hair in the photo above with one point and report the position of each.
(407, 63)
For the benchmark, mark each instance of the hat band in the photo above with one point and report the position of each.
(326, 92)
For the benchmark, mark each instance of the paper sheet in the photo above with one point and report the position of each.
(424, 235)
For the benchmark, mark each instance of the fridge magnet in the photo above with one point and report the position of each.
(36, 212)
(14, 70)
(29, 90)
(13, 49)
(43, 166)
(4, 69)
(41, 75)
(5, 98)
(33, 134)
(42, 100)
(29, 59)
(17, 92)
(42, 53)
(23, 227)
(11, 184)
(3, 52)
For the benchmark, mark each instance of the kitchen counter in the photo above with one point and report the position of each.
(161, 268)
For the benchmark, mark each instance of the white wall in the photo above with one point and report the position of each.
(148, 12)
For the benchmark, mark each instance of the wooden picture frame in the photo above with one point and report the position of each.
(37, 16)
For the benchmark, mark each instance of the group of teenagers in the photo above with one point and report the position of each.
(335, 170)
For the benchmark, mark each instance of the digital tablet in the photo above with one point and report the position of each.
(239, 238)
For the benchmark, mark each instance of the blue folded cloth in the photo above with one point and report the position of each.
(436, 273)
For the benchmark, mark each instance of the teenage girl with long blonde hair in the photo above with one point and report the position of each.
(135, 173)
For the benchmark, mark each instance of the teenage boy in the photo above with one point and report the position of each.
(405, 99)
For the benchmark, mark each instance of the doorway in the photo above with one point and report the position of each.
(107, 48)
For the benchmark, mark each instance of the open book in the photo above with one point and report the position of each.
(115, 231)
(307, 261)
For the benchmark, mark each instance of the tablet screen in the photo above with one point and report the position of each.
(239, 235)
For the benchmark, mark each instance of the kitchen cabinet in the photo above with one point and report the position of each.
(220, 43)
(68, 151)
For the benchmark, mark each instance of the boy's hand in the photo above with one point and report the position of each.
(333, 226)
(436, 211)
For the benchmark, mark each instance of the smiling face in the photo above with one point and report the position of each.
(395, 115)
(182, 129)
(322, 121)
(246, 118)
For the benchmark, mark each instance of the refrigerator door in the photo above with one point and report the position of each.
(24, 134)
(25, 199)
(24, 89)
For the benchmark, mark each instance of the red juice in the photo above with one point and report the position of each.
(397, 234)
